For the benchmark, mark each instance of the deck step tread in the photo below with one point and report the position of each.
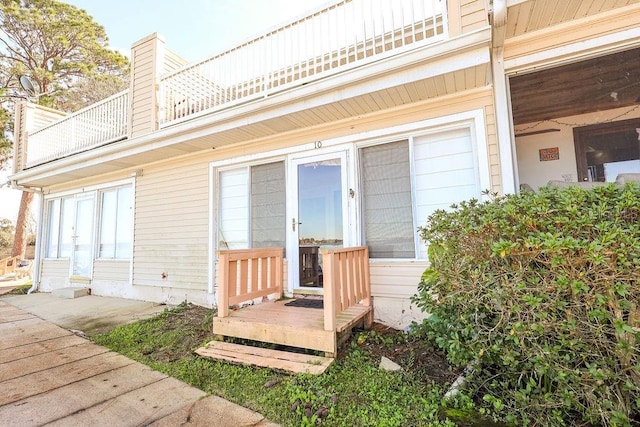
(267, 358)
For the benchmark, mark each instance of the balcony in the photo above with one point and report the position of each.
(330, 40)
(91, 127)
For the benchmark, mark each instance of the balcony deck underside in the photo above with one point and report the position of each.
(276, 323)
(294, 110)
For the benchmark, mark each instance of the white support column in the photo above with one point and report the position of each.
(508, 162)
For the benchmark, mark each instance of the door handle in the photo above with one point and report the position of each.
(294, 223)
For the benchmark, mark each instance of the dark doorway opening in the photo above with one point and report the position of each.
(604, 150)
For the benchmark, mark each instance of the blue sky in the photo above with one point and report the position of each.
(194, 29)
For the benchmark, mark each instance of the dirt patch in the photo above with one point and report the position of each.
(412, 354)
(189, 326)
(193, 327)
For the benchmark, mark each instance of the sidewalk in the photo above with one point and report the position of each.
(49, 375)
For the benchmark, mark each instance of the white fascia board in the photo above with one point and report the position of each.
(575, 51)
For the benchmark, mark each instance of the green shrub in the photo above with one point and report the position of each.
(542, 291)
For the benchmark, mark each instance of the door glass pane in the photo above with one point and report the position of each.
(82, 254)
(319, 216)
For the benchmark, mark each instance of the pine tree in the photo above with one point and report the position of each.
(57, 47)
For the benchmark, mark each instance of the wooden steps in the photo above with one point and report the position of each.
(274, 359)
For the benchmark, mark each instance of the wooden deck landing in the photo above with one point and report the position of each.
(273, 322)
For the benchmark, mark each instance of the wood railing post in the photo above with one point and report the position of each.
(330, 291)
(242, 276)
(8, 265)
(223, 285)
(346, 282)
(366, 279)
(278, 267)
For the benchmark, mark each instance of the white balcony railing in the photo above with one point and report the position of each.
(330, 40)
(91, 127)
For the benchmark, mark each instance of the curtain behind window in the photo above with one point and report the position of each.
(252, 207)
(268, 205)
(387, 204)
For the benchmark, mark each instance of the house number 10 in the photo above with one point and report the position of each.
(317, 144)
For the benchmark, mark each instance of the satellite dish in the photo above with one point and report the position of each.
(27, 85)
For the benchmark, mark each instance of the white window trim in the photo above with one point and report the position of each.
(98, 225)
(214, 193)
(473, 119)
(95, 189)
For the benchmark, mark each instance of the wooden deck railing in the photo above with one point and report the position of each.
(346, 281)
(91, 127)
(245, 274)
(8, 265)
(330, 40)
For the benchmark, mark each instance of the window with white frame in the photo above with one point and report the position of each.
(116, 221)
(115, 228)
(60, 213)
(404, 182)
(251, 206)
(386, 200)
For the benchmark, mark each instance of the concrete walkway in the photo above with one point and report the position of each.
(50, 376)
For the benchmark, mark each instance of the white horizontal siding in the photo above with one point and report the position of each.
(38, 117)
(54, 274)
(171, 226)
(395, 279)
(143, 87)
(55, 268)
(474, 15)
(112, 270)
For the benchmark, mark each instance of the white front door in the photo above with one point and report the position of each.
(319, 214)
(82, 253)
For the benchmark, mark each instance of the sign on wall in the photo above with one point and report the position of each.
(547, 154)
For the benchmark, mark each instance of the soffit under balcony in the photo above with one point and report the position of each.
(316, 105)
(531, 15)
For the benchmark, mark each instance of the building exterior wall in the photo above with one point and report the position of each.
(171, 241)
(474, 14)
(467, 15)
(54, 274)
(172, 61)
(174, 198)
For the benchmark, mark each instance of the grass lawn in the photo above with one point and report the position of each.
(352, 392)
